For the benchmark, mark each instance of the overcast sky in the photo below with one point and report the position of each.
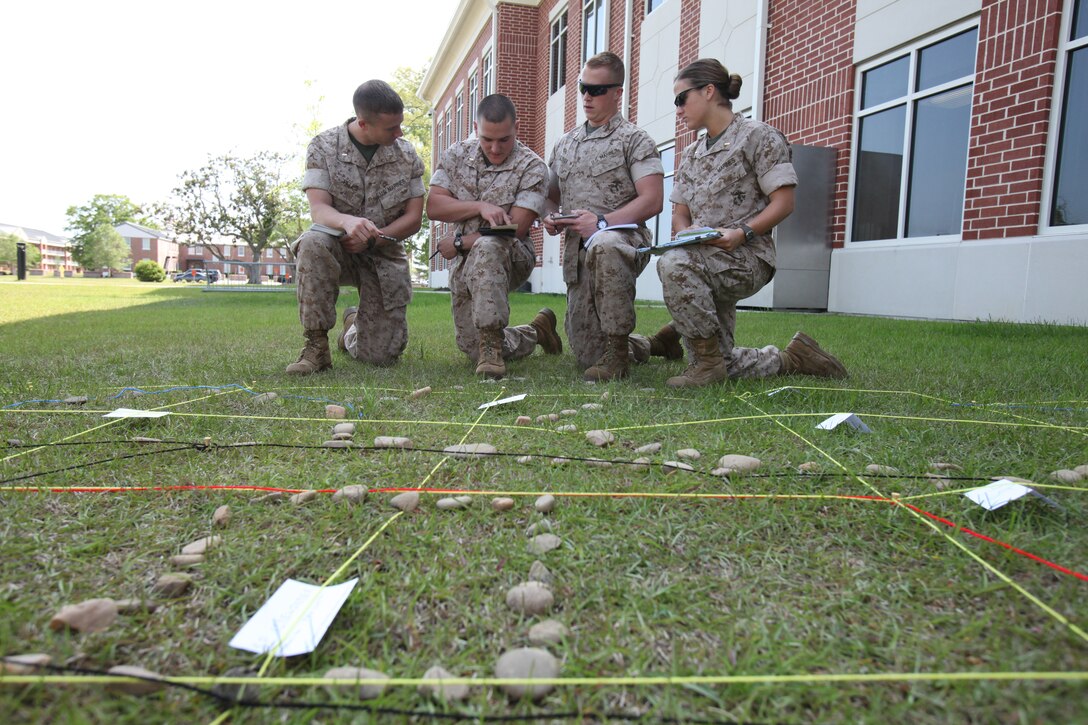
(119, 97)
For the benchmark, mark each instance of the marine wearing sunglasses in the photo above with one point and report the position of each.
(596, 89)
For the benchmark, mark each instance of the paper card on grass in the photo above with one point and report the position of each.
(130, 413)
(285, 624)
(998, 493)
(503, 401)
(839, 418)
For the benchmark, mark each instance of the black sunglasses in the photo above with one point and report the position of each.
(682, 96)
(595, 90)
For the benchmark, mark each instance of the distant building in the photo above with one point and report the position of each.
(955, 186)
(56, 256)
(236, 259)
(147, 243)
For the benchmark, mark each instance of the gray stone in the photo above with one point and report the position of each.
(187, 559)
(449, 504)
(137, 439)
(1082, 470)
(265, 398)
(548, 632)
(351, 494)
(92, 615)
(352, 675)
(392, 442)
(1065, 475)
(523, 420)
(560, 461)
(735, 463)
(446, 693)
(540, 573)
(502, 504)
(273, 497)
(942, 466)
(530, 598)
(172, 585)
(337, 444)
(135, 687)
(134, 606)
(809, 467)
(202, 546)
(348, 428)
(417, 394)
(407, 501)
(342, 436)
(468, 450)
(592, 406)
(524, 459)
(598, 463)
(641, 462)
(542, 526)
(76, 400)
(600, 438)
(545, 504)
(221, 517)
(543, 543)
(26, 664)
(335, 411)
(568, 412)
(527, 663)
(674, 466)
(303, 497)
(879, 470)
(567, 429)
(689, 454)
(649, 448)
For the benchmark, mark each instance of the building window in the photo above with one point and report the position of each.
(145, 244)
(226, 268)
(661, 225)
(1069, 204)
(460, 134)
(914, 121)
(448, 119)
(488, 72)
(472, 99)
(594, 40)
(652, 5)
(559, 53)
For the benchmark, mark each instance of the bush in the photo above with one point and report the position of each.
(148, 270)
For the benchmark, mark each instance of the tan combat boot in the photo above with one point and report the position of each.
(666, 343)
(804, 357)
(546, 335)
(490, 363)
(613, 364)
(707, 367)
(349, 320)
(315, 357)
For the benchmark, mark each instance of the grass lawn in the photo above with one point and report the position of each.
(787, 576)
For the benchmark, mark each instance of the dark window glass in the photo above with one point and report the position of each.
(559, 53)
(593, 19)
(662, 223)
(652, 5)
(938, 169)
(879, 175)
(948, 60)
(1080, 19)
(1071, 172)
(885, 82)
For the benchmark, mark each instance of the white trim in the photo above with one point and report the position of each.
(1050, 161)
(759, 66)
(905, 50)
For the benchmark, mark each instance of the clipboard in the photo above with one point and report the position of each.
(683, 240)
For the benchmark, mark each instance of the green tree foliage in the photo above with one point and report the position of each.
(148, 270)
(105, 247)
(102, 210)
(417, 129)
(253, 200)
(8, 251)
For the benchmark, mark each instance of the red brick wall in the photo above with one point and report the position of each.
(689, 50)
(638, 16)
(574, 63)
(809, 89)
(1016, 55)
(518, 67)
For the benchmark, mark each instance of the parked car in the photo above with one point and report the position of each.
(197, 275)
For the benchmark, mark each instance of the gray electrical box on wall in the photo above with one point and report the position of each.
(803, 241)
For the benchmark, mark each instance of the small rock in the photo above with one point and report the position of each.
(335, 411)
(201, 546)
(466, 500)
(449, 504)
(689, 453)
(26, 664)
(809, 467)
(239, 444)
(351, 494)
(567, 429)
(339, 428)
(235, 692)
(221, 517)
(187, 559)
(641, 462)
(337, 444)
(946, 466)
(523, 420)
(560, 461)
(392, 442)
(568, 412)
(407, 501)
(303, 497)
(342, 436)
(273, 497)
(540, 573)
(134, 606)
(722, 472)
(600, 438)
(548, 632)
(598, 463)
(264, 397)
(1082, 470)
(467, 450)
(674, 466)
(417, 394)
(142, 686)
(76, 400)
(502, 504)
(527, 663)
(530, 598)
(606, 395)
(544, 543)
(524, 459)
(16, 443)
(172, 585)
(649, 448)
(538, 527)
(1065, 475)
(877, 469)
(592, 406)
(545, 503)
(553, 417)
(739, 464)
(137, 439)
(446, 693)
(92, 615)
(352, 675)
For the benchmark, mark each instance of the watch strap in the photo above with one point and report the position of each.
(749, 233)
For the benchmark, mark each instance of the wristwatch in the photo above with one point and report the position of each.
(749, 233)
(601, 223)
(458, 243)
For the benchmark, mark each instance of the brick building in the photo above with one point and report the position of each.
(56, 255)
(945, 181)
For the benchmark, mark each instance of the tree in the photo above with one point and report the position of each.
(148, 270)
(9, 251)
(417, 130)
(102, 210)
(105, 247)
(251, 200)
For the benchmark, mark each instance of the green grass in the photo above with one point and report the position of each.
(649, 586)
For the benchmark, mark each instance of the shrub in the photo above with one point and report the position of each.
(148, 270)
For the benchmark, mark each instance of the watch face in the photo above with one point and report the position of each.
(601, 223)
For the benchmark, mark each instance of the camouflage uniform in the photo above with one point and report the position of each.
(723, 186)
(482, 277)
(598, 172)
(379, 191)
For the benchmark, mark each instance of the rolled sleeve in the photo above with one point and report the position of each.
(316, 179)
(646, 167)
(778, 176)
(534, 189)
(679, 193)
(441, 178)
(415, 186)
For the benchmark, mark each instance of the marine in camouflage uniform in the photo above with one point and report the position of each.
(599, 169)
(493, 173)
(369, 199)
(729, 182)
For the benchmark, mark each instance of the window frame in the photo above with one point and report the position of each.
(650, 7)
(460, 105)
(487, 72)
(473, 95)
(1066, 48)
(557, 45)
(909, 100)
(601, 8)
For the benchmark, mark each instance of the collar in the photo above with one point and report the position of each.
(602, 131)
(725, 141)
(346, 151)
(483, 164)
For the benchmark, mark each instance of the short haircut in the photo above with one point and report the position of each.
(496, 108)
(374, 98)
(611, 61)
